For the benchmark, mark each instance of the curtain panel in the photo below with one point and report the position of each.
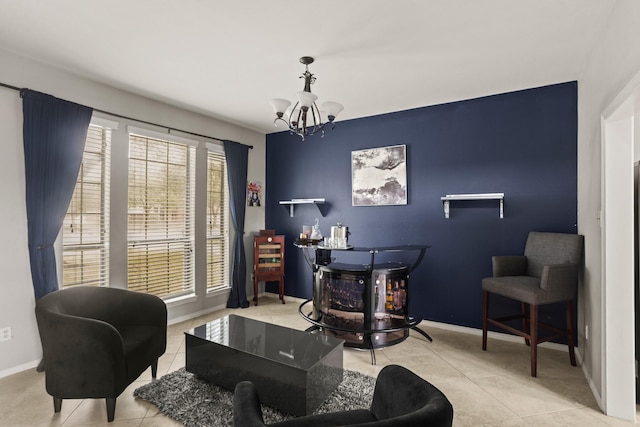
(54, 134)
(237, 161)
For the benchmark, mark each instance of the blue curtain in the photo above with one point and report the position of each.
(54, 132)
(237, 159)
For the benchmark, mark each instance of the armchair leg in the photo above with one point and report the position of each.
(154, 369)
(485, 315)
(533, 336)
(572, 353)
(111, 408)
(57, 404)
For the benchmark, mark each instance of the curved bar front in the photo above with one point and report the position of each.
(365, 305)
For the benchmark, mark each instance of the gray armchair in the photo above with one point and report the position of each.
(96, 341)
(547, 273)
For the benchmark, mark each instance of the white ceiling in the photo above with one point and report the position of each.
(227, 59)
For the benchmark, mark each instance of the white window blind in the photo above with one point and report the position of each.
(217, 221)
(85, 237)
(160, 216)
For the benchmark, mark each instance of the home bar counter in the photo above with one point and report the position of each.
(366, 305)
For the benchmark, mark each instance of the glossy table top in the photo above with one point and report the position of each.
(287, 346)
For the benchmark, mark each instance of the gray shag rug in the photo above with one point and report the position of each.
(195, 402)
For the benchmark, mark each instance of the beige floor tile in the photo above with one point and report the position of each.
(609, 421)
(410, 347)
(573, 417)
(159, 421)
(430, 367)
(128, 409)
(473, 365)
(526, 396)
(33, 409)
(473, 406)
(513, 422)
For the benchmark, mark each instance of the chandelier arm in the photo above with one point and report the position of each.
(291, 120)
(317, 120)
(303, 128)
(275, 122)
(301, 117)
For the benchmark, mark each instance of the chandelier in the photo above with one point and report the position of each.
(304, 118)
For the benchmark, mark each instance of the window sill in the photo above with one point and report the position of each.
(217, 292)
(181, 300)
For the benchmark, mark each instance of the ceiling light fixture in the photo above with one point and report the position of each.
(304, 118)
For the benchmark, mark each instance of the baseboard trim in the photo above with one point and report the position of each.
(19, 368)
(491, 334)
(190, 316)
(594, 389)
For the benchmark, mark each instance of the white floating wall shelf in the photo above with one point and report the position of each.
(291, 203)
(479, 196)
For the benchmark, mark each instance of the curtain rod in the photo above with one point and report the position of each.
(137, 120)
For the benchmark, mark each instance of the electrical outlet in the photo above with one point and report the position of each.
(5, 334)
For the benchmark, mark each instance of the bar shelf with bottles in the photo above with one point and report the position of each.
(340, 301)
(365, 305)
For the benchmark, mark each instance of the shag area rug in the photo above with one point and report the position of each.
(195, 402)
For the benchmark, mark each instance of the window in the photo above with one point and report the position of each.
(85, 236)
(217, 221)
(155, 192)
(160, 236)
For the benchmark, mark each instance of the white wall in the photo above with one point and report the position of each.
(17, 302)
(615, 60)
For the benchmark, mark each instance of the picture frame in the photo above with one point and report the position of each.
(254, 193)
(379, 176)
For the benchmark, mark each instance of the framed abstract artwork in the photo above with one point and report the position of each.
(379, 176)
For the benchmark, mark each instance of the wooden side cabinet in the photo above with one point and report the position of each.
(268, 262)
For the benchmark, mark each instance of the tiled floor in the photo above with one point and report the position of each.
(490, 388)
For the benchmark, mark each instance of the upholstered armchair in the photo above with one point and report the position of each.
(400, 399)
(547, 273)
(96, 341)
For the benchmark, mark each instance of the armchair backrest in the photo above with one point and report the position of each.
(111, 305)
(402, 398)
(551, 249)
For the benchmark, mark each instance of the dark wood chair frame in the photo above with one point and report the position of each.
(530, 329)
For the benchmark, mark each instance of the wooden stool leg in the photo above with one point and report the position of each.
(255, 289)
(485, 315)
(281, 288)
(525, 327)
(533, 327)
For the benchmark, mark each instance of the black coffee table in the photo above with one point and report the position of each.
(294, 371)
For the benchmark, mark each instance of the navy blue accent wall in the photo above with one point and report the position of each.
(523, 144)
